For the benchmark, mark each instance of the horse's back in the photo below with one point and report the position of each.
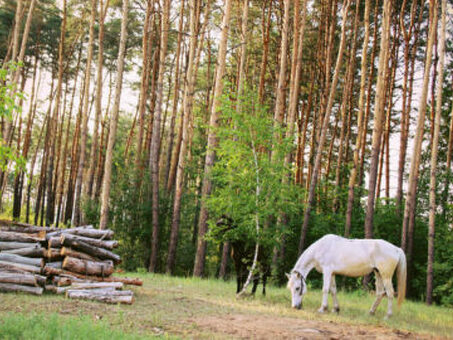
(356, 257)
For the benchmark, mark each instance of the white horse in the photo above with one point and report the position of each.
(332, 255)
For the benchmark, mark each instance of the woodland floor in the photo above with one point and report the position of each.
(169, 307)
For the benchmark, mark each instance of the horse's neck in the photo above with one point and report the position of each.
(305, 263)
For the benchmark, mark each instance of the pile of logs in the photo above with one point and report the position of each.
(77, 262)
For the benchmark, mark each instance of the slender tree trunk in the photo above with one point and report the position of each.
(347, 90)
(212, 142)
(187, 108)
(106, 181)
(266, 24)
(281, 86)
(53, 122)
(155, 141)
(409, 208)
(325, 123)
(360, 125)
(144, 85)
(76, 213)
(433, 172)
(405, 105)
(171, 134)
(379, 114)
(98, 103)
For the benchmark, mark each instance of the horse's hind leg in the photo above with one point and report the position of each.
(380, 292)
(390, 292)
(333, 291)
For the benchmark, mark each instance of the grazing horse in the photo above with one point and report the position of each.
(334, 255)
(242, 252)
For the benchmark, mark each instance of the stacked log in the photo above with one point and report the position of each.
(78, 262)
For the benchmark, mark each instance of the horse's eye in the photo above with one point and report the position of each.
(297, 288)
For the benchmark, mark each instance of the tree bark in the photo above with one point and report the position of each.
(98, 103)
(187, 108)
(360, 125)
(379, 114)
(76, 213)
(52, 125)
(434, 150)
(409, 208)
(106, 181)
(155, 141)
(171, 134)
(325, 123)
(281, 85)
(212, 142)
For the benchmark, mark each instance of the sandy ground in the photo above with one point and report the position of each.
(266, 327)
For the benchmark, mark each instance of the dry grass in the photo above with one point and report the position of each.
(173, 307)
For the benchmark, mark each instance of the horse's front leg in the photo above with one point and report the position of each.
(333, 291)
(327, 277)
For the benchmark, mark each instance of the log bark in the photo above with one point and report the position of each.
(94, 242)
(87, 267)
(55, 264)
(106, 234)
(56, 290)
(21, 259)
(53, 254)
(61, 272)
(77, 254)
(41, 280)
(19, 268)
(97, 285)
(54, 242)
(21, 279)
(22, 237)
(6, 225)
(9, 287)
(108, 291)
(103, 254)
(17, 245)
(61, 281)
(107, 297)
(36, 251)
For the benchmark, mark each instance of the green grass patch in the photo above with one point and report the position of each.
(46, 327)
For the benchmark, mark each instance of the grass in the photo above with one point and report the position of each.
(169, 307)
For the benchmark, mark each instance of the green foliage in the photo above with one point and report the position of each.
(9, 97)
(248, 185)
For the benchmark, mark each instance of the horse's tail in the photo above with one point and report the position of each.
(402, 275)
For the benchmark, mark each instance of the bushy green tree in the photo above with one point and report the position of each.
(249, 188)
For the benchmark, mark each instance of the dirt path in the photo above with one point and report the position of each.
(266, 327)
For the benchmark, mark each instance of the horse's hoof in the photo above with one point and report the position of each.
(371, 312)
(336, 310)
(388, 316)
(322, 310)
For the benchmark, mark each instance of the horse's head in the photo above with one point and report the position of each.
(297, 286)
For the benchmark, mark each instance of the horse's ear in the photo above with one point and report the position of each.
(288, 275)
